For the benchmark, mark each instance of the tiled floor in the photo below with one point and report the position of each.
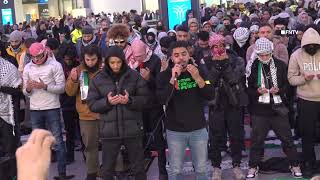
(78, 169)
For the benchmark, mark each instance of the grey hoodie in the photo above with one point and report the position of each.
(301, 63)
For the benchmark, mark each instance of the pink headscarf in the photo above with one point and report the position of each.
(216, 39)
(37, 49)
(129, 53)
(142, 51)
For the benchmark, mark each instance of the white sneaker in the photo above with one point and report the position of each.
(296, 171)
(252, 173)
(223, 154)
(238, 174)
(216, 174)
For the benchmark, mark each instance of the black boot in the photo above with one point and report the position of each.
(92, 176)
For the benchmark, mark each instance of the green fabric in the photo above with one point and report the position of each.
(85, 78)
(259, 74)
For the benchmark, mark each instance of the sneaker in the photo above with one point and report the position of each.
(296, 171)
(223, 154)
(216, 174)
(238, 174)
(252, 173)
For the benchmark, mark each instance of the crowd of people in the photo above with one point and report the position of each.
(121, 83)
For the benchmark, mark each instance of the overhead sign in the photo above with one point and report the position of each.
(7, 16)
(7, 11)
(177, 11)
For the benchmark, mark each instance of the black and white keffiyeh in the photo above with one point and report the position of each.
(9, 77)
(262, 45)
(241, 35)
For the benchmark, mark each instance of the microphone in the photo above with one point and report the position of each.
(175, 76)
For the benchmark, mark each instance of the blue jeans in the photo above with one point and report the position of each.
(39, 119)
(197, 141)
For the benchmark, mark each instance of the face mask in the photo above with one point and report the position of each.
(265, 62)
(311, 50)
(219, 51)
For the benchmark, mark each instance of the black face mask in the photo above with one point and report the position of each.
(312, 49)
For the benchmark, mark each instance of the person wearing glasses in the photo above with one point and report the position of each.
(43, 82)
(118, 35)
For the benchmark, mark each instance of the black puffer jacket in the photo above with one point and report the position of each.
(119, 121)
(228, 77)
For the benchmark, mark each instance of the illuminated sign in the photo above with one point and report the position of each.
(7, 16)
(177, 11)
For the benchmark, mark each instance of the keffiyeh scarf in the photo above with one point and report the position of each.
(241, 35)
(9, 77)
(263, 83)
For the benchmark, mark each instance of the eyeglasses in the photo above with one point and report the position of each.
(119, 41)
(38, 57)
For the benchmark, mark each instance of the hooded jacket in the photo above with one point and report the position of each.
(228, 76)
(302, 63)
(119, 121)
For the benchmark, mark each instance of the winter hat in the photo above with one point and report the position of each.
(281, 21)
(216, 39)
(115, 51)
(252, 16)
(263, 45)
(219, 15)
(284, 15)
(192, 20)
(172, 31)
(161, 35)
(205, 23)
(214, 20)
(219, 28)
(52, 43)
(254, 28)
(87, 30)
(241, 35)
(15, 36)
(153, 31)
(237, 21)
